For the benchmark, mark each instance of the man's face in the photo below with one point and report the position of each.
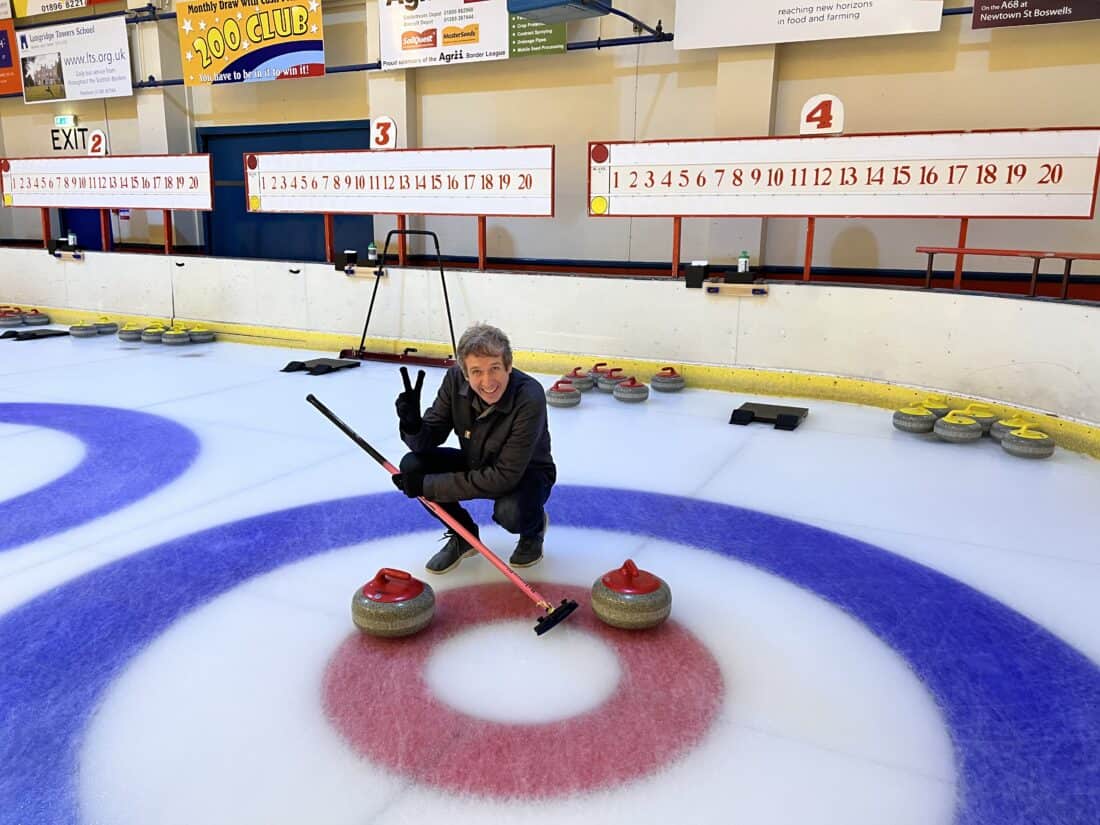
(488, 376)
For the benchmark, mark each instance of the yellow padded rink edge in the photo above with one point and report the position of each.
(1068, 433)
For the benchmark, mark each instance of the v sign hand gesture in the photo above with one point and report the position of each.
(408, 402)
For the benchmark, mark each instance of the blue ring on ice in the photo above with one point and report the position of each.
(127, 455)
(1022, 707)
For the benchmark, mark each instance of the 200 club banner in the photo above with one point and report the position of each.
(247, 41)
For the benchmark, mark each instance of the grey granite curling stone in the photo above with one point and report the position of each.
(581, 380)
(601, 368)
(563, 394)
(176, 336)
(983, 414)
(1028, 443)
(957, 428)
(393, 604)
(630, 598)
(130, 332)
(918, 419)
(201, 335)
(1006, 425)
(630, 391)
(938, 405)
(607, 381)
(34, 318)
(667, 380)
(83, 330)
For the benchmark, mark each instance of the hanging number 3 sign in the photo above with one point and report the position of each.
(822, 115)
(383, 133)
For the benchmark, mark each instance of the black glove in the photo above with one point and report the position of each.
(411, 484)
(408, 403)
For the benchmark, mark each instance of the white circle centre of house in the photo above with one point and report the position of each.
(502, 673)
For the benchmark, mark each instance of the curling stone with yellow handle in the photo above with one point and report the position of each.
(105, 326)
(938, 405)
(131, 332)
(983, 414)
(1026, 442)
(957, 428)
(176, 336)
(393, 604)
(918, 419)
(202, 335)
(630, 598)
(83, 329)
(1006, 425)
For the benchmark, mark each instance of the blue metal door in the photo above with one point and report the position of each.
(85, 223)
(234, 232)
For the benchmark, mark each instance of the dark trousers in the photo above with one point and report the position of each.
(517, 511)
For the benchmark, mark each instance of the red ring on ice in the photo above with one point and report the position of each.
(669, 693)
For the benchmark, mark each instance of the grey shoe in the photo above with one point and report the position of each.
(455, 550)
(528, 550)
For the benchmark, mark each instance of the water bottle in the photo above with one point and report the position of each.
(743, 261)
(372, 252)
(72, 239)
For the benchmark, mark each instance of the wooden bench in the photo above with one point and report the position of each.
(1035, 255)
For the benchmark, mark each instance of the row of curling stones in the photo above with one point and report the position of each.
(606, 378)
(92, 329)
(395, 604)
(567, 390)
(934, 415)
(161, 334)
(11, 316)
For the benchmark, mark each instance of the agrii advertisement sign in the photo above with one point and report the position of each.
(75, 61)
(990, 14)
(248, 41)
(707, 24)
(417, 33)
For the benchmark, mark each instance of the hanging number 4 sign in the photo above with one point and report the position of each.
(383, 133)
(822, 115)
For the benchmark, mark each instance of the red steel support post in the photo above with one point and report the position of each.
(167, 231)
(676, 227)
(105, 229)
(402, 246)
(963, 226)
(811, 226)
(481, 242)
